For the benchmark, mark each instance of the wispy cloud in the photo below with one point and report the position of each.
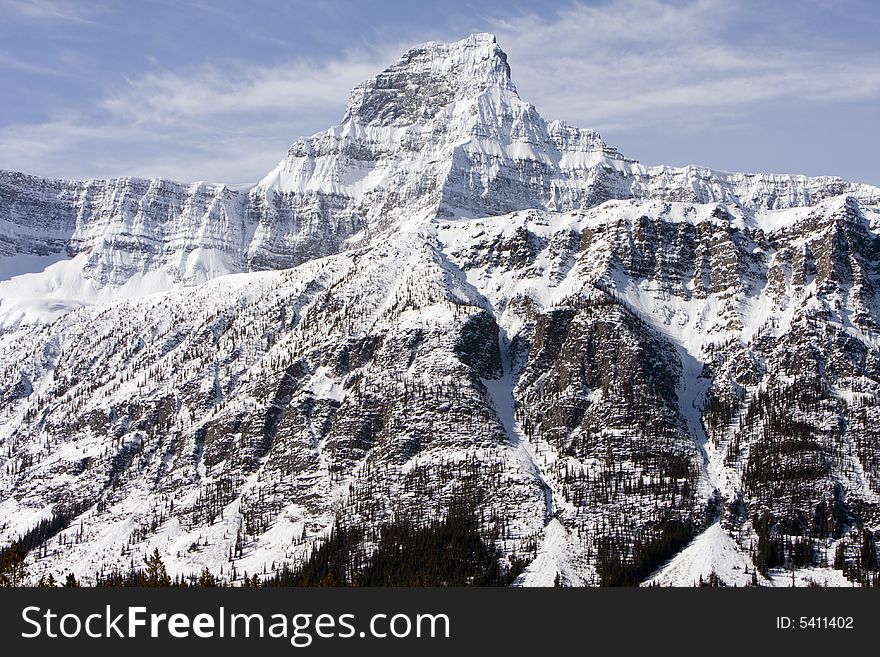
(625, 60)
(14, 63)
(288, 89)
(230, 122)
(51, 10)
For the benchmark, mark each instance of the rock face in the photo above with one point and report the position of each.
(447, 293)
(126, 226)
(443, 132)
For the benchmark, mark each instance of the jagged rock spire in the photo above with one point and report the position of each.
(428, 78)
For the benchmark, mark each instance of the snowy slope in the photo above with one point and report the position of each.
(443, 293)
(712, 552)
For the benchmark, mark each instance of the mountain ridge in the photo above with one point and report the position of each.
(430, 301)
(477, 150)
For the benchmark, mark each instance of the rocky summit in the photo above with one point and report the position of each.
(444, 319)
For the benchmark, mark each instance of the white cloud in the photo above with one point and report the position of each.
(648, 60)
(213, 92)
(230, 123)
(56, 148)
(645, 61)
(50, 10)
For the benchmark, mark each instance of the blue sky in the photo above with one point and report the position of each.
(218, 90)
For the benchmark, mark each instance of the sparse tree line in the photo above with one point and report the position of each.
(801, 440)
(456, 550)
(453, 551)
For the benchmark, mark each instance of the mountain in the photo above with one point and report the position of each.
(624, 374)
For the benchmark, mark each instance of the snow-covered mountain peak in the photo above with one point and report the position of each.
(465, 301)
(428, 78)
(440, 133)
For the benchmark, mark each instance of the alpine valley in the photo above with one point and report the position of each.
(445, 320)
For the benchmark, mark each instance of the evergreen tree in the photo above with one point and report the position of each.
(46, 582)
(450, 551)
(250, 582)
(331, 579)
(71, 582)
(13, 566)
(155, 574)
(840, 556)
(868, 552)
(207, 579)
